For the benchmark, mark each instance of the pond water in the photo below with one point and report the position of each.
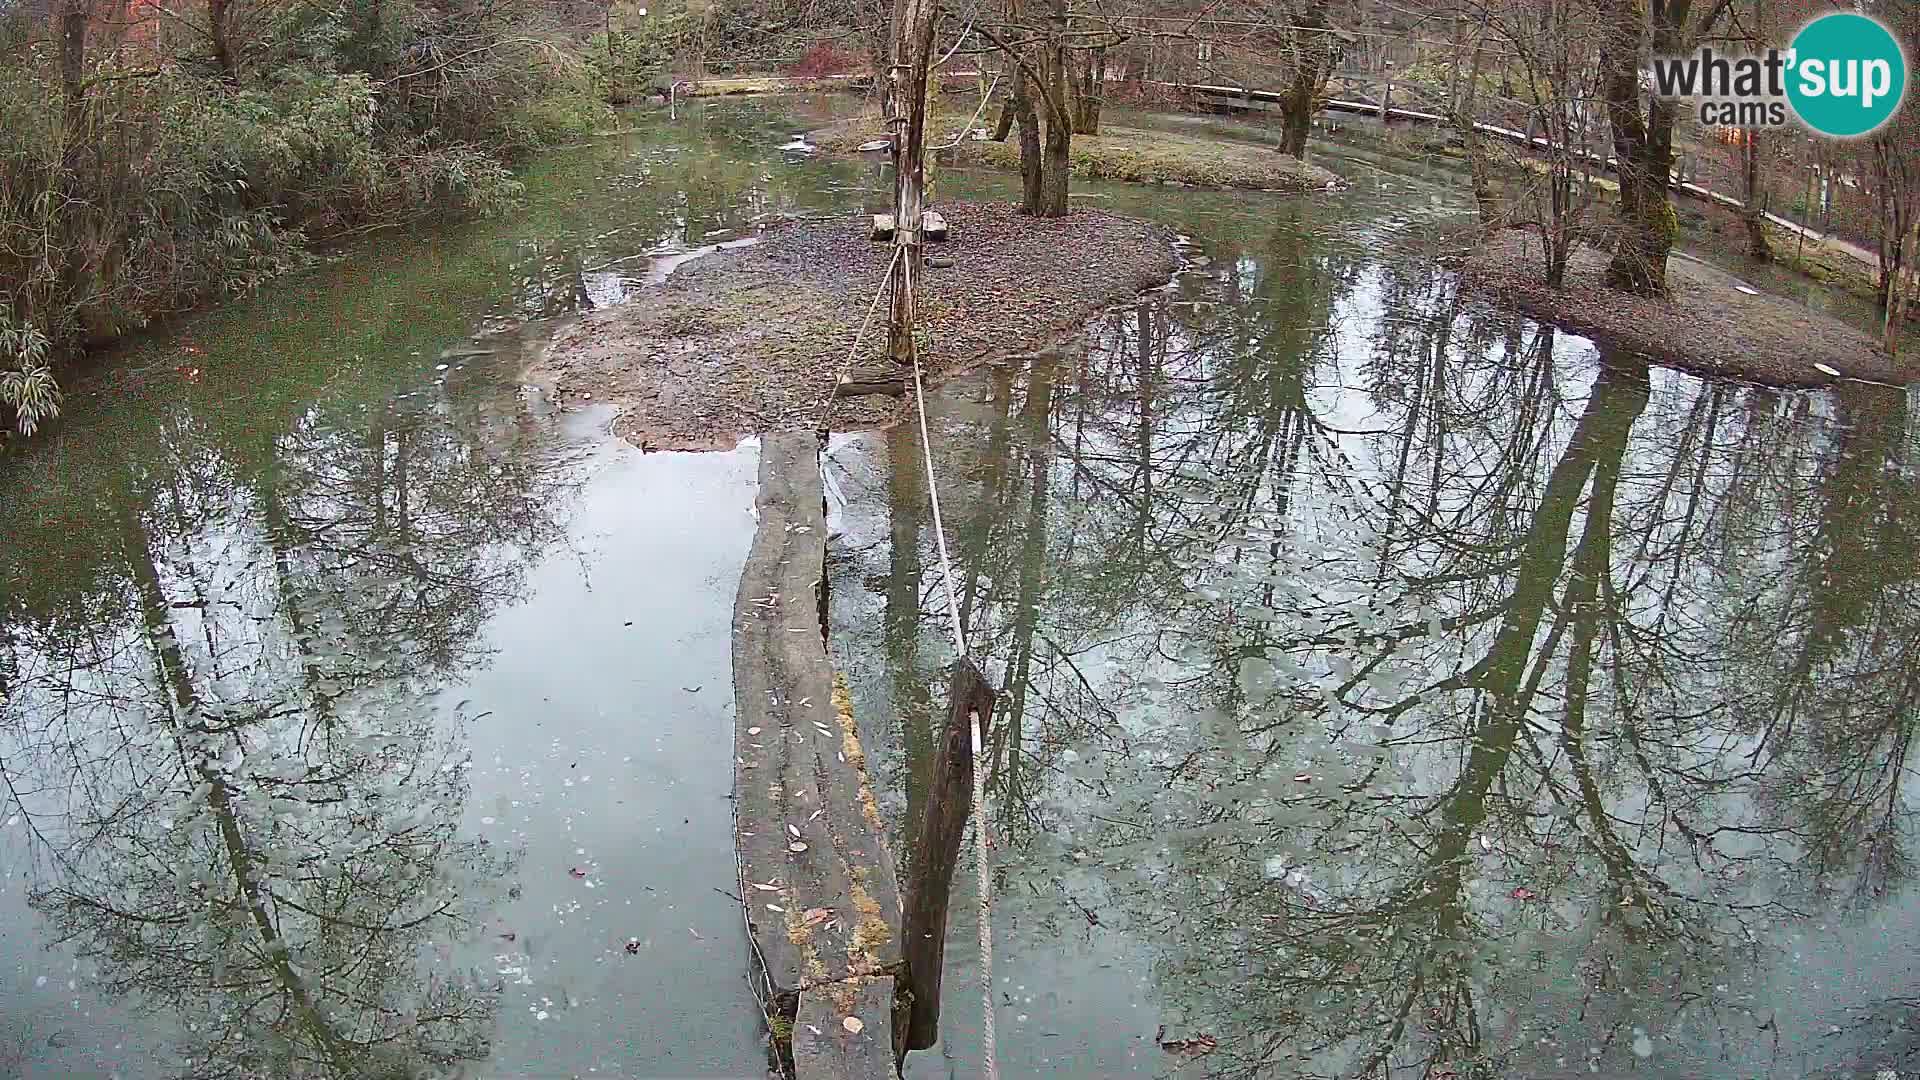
(1391, 686)
(1395, 687)
(363, 717)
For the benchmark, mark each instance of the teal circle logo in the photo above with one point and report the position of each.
(1848, 75)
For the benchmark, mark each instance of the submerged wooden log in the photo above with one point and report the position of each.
(835, 1035)
(943, 825)
(822, 901)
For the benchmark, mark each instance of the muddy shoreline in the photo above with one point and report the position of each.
(754, 339)
(1706, 325)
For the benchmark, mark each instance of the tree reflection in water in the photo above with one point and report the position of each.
(243, 795)
(1442, 698)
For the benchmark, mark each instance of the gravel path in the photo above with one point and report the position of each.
(754, 339)
(1705, 325)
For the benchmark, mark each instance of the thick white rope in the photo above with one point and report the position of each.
(939, 530)
(846, 366)
(977, 113)
(990, 1066)
(989, 1057)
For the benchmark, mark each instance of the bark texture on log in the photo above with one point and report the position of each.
(822, 899)
(907, 97)
(943, 825)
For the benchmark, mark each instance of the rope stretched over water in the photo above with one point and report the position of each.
(977, 113)
(989, 1058)
(939, 529)
(846, 366)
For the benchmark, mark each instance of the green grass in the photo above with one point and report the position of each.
(1117, 153)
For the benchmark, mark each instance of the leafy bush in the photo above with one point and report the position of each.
(630, 60)
(559, 116)
(28, 388)
(162, 183)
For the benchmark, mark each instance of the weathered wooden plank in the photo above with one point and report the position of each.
(943, 824)
(822, 900)
(859, 383)
(825, 1045)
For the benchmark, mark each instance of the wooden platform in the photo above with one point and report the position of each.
(822, 899)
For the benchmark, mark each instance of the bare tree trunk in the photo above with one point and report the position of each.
(1093, 79)
(1031, 167)
(1053, 192)
(1755, 214)
(1643, 147)
(1004, 125)
(220, 33)
(1009, 111)
(1894, 183)
(907, 77)
(1757, 195)
(1295, 125)
(1463, 120)
(1899, 294)
(1312, 58)
(1076, 86)
(1053, 188)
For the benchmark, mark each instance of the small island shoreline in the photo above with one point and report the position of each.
(756, 338)
(1706, 324)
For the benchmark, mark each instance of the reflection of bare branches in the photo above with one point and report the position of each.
(1436, 701)
(247, 798)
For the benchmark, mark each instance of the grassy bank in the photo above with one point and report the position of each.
(1117, 153)
(1706, 324)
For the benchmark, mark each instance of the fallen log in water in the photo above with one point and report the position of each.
(822, 902)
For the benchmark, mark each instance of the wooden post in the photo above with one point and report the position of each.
(907, 119)
(943, 825)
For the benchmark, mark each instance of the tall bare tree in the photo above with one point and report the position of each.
(1642, 125)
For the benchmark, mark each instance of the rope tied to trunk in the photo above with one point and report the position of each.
(989, 1058)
